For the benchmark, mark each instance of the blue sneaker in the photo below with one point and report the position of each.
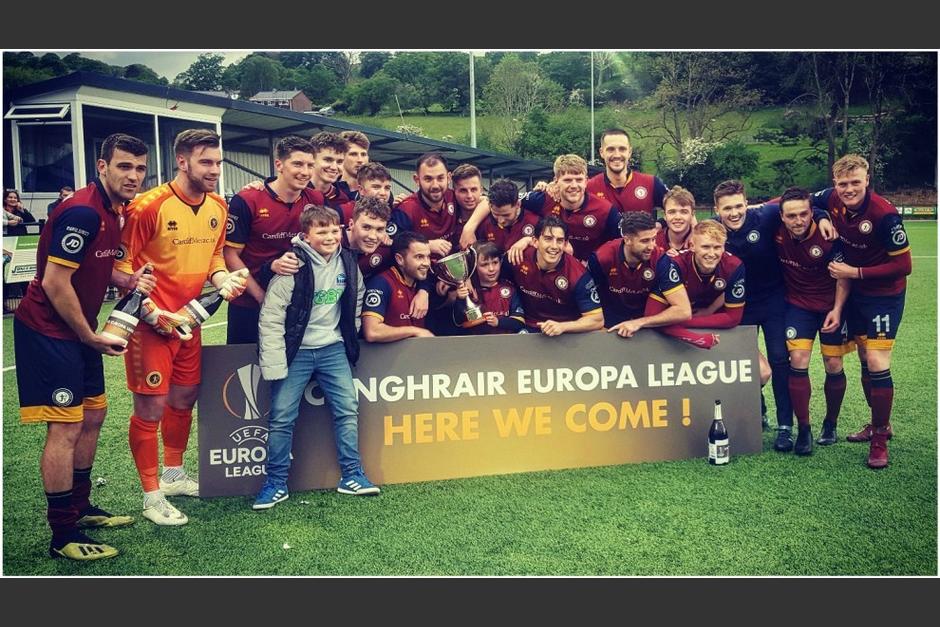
(269, 497)
(357, 484)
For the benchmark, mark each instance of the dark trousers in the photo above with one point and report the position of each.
(768, 314)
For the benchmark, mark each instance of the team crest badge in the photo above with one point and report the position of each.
(528, 230)
(450, 208)
(648, 274)
(753, 236)
(561, 283)
(720, 284)
(864, 226)
(375, 260)
(154, 378)
(214, 223)
(815, 251)
(590, 221)
(504, 292)
(640, 193)
(62, 397)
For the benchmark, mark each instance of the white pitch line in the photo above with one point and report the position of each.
(205, 326)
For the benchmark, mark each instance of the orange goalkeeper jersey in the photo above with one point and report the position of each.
(181, 237)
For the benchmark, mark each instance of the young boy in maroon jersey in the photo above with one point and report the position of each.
(497, 298)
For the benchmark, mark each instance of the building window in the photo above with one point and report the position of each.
(99, 122)
(46, 156)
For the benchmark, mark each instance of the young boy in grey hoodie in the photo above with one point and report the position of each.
(308, 328)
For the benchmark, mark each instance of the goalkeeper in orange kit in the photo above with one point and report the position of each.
(178, 227)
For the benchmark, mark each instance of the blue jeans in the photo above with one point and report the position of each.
(768, 313)
(331, 368)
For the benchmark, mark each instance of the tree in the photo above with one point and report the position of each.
(415, 69)
(515, 89)
(205, 73)
(143, 74)
(700, 96)
(571, 70)
(259, 73)
(831, 77)
(370, 95)
(372, 62)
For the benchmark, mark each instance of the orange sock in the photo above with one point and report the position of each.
(143, 440)
(175, 427)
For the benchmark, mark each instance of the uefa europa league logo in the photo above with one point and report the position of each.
(240, 393)
(455, 269)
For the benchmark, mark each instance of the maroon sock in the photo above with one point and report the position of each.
(866, 384)
(835, 392)
(800, 391)
(81, 489)
(882, 397)
(702, 340)
(61, 514)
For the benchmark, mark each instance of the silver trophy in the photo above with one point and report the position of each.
(455, 269)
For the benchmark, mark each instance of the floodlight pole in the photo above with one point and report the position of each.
(473, 110)
(593, 153)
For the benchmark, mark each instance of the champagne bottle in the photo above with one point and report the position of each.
(124, 317)
(718, 450)
(198, 311)
(200, 308)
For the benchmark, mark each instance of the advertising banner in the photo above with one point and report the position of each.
(442, 408)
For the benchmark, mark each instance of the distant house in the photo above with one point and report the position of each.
(292, 100)
(221, 94)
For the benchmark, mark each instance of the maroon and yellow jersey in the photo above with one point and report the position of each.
(662, 240)
(593, 223)
(83, 233)
(872, 236)
(503, 300)
(261, 226)
(504, 237)
(182, 237)
(563, 294)
(380, 260)
(643, 192)
(335, 199)
(414, 214)
(388, 298)
(727, 279)
(624, 290)
(805, 269)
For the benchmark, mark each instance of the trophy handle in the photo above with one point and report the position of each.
(472, 252)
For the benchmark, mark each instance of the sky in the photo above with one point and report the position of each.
(164, 62)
